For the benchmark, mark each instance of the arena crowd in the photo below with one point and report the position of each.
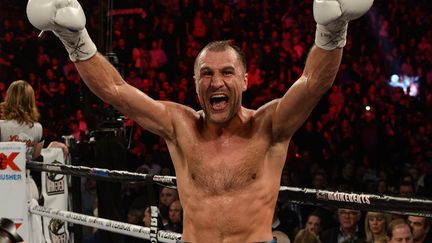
(371, 133)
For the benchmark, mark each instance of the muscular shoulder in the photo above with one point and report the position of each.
(265, 113)
(265, 117)
(183, 117)
(267, 109)
(181, 111)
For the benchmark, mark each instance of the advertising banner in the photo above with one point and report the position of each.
(55, 192)
(13, 197)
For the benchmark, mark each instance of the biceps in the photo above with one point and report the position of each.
(152, 115)
(293, 109)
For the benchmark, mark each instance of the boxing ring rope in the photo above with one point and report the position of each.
(102, 174)
(368, 202)
(105, 224)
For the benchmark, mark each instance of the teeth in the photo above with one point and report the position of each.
(218, 96)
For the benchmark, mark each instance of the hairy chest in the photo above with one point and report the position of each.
(221, 166)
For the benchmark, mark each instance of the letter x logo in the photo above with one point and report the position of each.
(8, 161)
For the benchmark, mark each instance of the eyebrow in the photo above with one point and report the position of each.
(228, 68)
(225, 68)
(205, 69)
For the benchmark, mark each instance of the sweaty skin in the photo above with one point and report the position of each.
(228, 159)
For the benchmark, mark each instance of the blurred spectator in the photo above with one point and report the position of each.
(175, 219)
(313, 223)
(376, 225)
(133, 79)
(147, 217)
(348, 229)
(306, 236)
(346, 179)
(135, 216)
(399, 231)
(406, 189)
(166, 197)
(319, 179)
(149, 166)
(382, 187)
(158, 57)
(421, 228)
(280, 237)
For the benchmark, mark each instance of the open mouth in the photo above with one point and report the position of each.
(219, 102)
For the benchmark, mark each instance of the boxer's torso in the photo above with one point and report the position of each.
(228, 180)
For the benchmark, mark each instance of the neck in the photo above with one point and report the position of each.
(379, 238)
(227, 128)
(221, 130)
(348, 231)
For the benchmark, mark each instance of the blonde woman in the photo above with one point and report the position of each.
(306, 236)
(376, 225)
(20, 118)
(20, 124)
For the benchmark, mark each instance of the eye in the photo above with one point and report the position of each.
(206, 73)
(227, 73)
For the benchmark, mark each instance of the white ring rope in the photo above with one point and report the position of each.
(105, 224)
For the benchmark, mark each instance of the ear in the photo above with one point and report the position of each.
(245, 82)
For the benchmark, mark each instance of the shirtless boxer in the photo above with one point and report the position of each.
(228, 159)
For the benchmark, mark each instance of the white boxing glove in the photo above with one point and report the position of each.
(67, 20)
(332, 17)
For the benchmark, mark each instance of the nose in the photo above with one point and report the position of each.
(217, 81)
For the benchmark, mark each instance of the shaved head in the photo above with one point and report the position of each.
(220, 46)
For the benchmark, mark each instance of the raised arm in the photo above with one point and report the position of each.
(66, 19)
(104, 80)
(298, 102)
(322, 64)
